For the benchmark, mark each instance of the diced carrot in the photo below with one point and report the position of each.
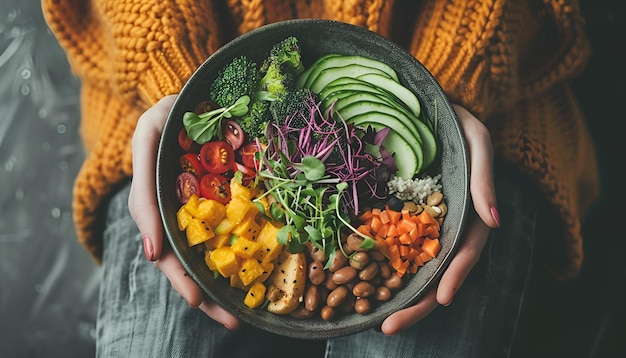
(405, 239)
(394, 253)
(392, 230)
(390, 241)
(406, 215)
(366, 215)
(384, 217)
(431, 247)
(375, 224)
(363, 229)
(413, 267)
(425, 218)
(405, 226)
(394, 216)
(376, 212)
(418, 260)
(404, 251)
(382, 231)
(425, 257)
(412, 254)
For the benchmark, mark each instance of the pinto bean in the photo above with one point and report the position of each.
(337, 296)
(394, 282)
(302, 313)
(369, 272)
(344, 275)
(385, 270)
(383, 293)
(339, 261)
(311, 298)
(363, 289)
(327, 313)
(362, 306)
(316, 273)
(359, 260)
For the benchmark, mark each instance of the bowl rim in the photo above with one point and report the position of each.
(287, 326)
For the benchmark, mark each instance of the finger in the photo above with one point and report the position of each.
(482, 186)
(218, 314)
(142, 202)
(407, 317)
(464, 260)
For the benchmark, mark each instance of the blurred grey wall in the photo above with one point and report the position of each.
(48, 284)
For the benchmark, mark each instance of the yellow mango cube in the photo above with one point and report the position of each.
(270, 248)
(225, 261)
(245, 248)
(248, 229)
(250, 269)
(238, 189)
(239, 208)
(217, 241)
(192, 204)
(211, 210)
(198, 231)
(255, 296)
(225, 226)
(207, 260)
(183, 217)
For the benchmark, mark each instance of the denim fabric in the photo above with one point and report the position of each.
(140, 315)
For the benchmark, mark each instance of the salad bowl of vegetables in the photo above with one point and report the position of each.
(312, 178)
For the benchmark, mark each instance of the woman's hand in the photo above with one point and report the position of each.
(475, 236)
(142, 204)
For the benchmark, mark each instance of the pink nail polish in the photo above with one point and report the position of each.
(148, 250)
(496, 215)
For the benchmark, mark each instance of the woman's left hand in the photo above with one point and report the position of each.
(475, 236)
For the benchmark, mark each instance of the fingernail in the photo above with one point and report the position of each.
(148, 250)
(496, 215)
(449, 302)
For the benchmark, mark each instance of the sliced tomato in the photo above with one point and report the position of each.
(247, 153)
(217, 157)
(216, 187)
(190, 162)
(186, 185)
(233, 134)
(186, 143)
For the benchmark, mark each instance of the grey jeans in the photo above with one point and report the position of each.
(140, 315)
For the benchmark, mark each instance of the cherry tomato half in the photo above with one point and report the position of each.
(247, 155)
(186, 143)
(217, 157)
(216, 187)
(190, 162)
(186, 185)
(233, 134)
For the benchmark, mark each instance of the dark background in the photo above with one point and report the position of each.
(49, 286)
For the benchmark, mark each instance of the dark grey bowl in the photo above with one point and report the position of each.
(319, 37)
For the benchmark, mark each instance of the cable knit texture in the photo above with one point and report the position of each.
(506, 61)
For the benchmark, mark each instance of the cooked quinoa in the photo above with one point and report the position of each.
(416, 190)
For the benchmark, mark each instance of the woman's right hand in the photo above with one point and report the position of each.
(142, 204)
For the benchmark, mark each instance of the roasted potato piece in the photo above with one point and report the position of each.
(287, 282)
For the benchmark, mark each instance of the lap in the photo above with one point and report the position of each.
(141, 315)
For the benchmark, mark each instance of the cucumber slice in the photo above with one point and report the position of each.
(304, 75)
(349, 108)
(325, 76)
(404, 94)
(404, 156)
(334, 60)
(383, 120)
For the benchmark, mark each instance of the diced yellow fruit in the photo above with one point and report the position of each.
(255, 296)
(248, 229)
(225, 261)
(245, 248)
(207, 260)
(238, 189)
(217, 241)
(198, 231)
(266, 205)
(270, 248)
(250, 269)
(192, 204)
(225, 226)
(183, 217)
(212, 210)
(235, 282)
(268, 267)
(239, 208)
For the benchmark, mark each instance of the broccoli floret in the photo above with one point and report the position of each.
(286, 55)
(253, 123)
(295, 105)
(274, 85)
(237, 79)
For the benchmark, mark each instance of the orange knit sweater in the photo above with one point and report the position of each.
(506, 61)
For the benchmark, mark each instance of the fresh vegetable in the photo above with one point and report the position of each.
(215, 187)
(207, 126)
(286, 284)
(186, 185)
(233, 134)
(190, 162)
(217, 157)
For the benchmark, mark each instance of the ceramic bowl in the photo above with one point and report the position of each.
(317, 38)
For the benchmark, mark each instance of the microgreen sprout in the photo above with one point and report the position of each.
(207, 126)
